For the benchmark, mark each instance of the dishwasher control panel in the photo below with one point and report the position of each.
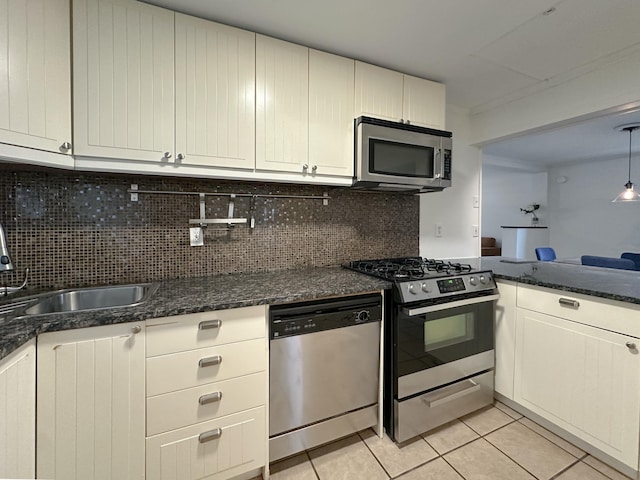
(309, 317)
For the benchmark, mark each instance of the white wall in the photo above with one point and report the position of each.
(505, 191)
(453, 207)
(583, 219)
(612, 87)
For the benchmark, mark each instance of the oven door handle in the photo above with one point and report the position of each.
(454, 396)
(411, 312)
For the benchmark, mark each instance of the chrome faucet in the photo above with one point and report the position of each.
(6, 265)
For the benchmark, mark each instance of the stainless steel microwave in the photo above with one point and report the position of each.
(400, 157)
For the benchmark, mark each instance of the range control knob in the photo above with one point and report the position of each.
(473, 281)
(425, 287)
(362, 316)
(483, 280)
(412, 288)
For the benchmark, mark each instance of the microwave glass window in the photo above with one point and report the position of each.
(447, 331)
(400, 159)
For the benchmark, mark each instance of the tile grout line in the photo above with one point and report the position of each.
(373, 454)
(306, 452)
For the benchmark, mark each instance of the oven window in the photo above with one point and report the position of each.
(428, 340)
(400, 159)
(447, 331)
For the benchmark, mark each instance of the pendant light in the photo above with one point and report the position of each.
(629, 194)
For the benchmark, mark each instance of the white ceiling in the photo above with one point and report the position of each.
(485, 51)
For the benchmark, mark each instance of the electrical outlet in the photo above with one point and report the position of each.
(476, 230)
(438, 231)
(476, 201)
(196, 237)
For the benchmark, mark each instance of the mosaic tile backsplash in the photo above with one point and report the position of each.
(81, 229)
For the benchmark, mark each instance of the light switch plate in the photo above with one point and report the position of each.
(196, 236)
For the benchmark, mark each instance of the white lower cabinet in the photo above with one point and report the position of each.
(206, 395)
(91, 403)
(582, 378)
(217, 449)
(18, 413)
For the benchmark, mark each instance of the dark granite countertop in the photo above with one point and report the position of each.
(621, 285)
(183, 296)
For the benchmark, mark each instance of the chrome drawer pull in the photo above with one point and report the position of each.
(567, 302)
(210, 398)
(210, 361)
(210, 435)
(631, 345)
(206, 325)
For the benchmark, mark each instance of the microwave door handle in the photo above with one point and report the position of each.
(437, 163)
(412, 312)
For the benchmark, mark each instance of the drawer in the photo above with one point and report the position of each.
(176, 371)
(206, 329)
(597, 312)
(216, 450)
(182, 408)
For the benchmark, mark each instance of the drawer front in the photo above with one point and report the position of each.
(203, 451)
(588, 310)
(176, 371)
(201, 330)
(188, 407)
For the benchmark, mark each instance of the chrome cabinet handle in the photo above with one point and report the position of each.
(314, 168)
(136, 329)
(209, 324)
(305, 167)
(210, 435)
(210, 361)
(66, 146)
(568, 302)
(180, 157)
(631, 345)
(167, 154)
(210, 398)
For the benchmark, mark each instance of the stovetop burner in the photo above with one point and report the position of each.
(418, 279)
(408, 268)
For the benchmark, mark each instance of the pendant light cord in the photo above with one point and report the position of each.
(631, 129)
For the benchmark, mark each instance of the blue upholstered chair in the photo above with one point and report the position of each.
(608, 262)
(546, 254)
(635, 257)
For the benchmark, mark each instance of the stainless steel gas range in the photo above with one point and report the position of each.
(439, 356)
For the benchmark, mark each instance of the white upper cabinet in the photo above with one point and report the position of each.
(123, 80)
(331, 97)
(378, 92)
(391, 95)
(215, 94)
(282, 105)
(423, 102)
(35, 85)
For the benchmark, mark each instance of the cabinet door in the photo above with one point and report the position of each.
(423, 102)
(282, 105)
(35, 87)
(215, 94)
(18, 413)
(583, 379)
(378, 92)
(123, 71)
(90, 407)
(331, 96)
(505, 332)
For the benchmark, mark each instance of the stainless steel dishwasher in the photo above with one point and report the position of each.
(324, 371)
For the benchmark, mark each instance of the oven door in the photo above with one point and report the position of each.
(442, 343)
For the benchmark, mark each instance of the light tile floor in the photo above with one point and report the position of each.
(494, 443)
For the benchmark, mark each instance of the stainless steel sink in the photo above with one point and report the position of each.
(93, 298)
